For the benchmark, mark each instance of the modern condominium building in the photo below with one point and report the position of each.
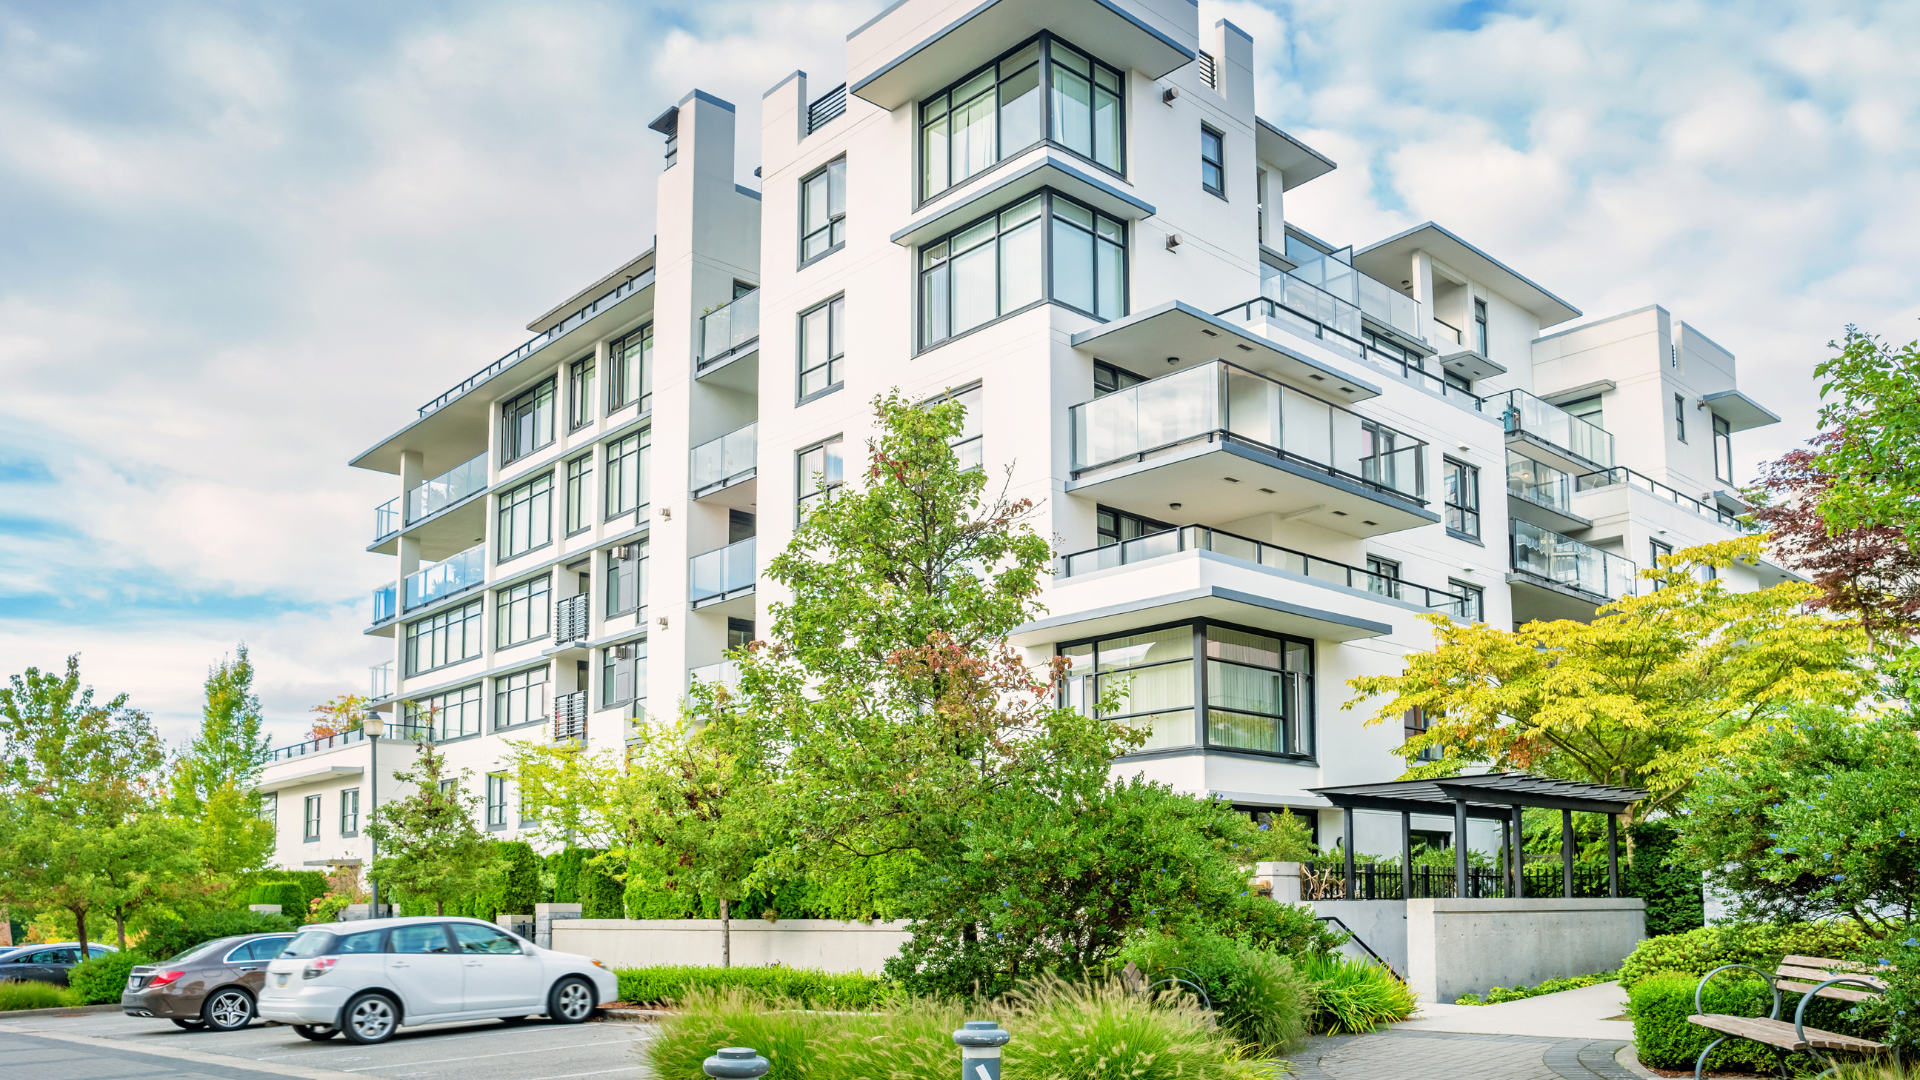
(1265, 454)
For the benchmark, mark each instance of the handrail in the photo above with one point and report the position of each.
(395, 730)
(446, 577)
(386, 519)
(1206, 538)
(1546, 554)
(1348, 346)
(1529, 413)
(722, 573)
(727, 460)
(1539, 483)
(1659, 490)
(383, 603)
(457, 484)
(730, 326)
(1355, 938)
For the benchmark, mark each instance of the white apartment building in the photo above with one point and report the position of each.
(1264, 454)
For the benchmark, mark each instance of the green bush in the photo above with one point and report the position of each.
(1500, 994)
(288, 894)
(1675, 900)
(661, 985)
(601, 895)
(101, 980)
(1073, 1031)
(1659, 1005)
(1287, 929)
(1259, 997)
(16, 995)
(171, 939)
(565, 865)
(1759, 944)
(519, 889)
(1353, 996)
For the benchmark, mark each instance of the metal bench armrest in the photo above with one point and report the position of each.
(1700, 1011)
(1800, 1013)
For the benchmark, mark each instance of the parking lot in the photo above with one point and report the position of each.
(103, 1046)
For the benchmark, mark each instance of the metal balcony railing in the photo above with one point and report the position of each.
(1326, 880)
(725, 461)
(1522, 412)
(730, 327)
(1538, 483)
(1218, 399)
(449, 576)
(383, 604)
(456, 484)
(395, 730)
(1297, 317)
(1622, 475)
(1332, 291)
(826, 108)
(721, 574)
(386, 519)
(570, 716)
(1546, 554)
(572, 618)
(1204, 538)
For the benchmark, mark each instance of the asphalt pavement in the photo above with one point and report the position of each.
(112, 1046)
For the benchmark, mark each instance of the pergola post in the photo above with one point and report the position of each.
(1613, 855)
(1518, 863)
(1406, 855)
(1347, 869)
(1566, 853)
(1460, 849)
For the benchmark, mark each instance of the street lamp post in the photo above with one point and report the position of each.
(375, 726)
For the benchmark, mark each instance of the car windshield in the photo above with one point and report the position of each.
(310, 943)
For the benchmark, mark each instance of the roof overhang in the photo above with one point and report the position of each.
(1215, 602)
(314, 775)
(1470, 364)
(626, 271)
(1297, 162)
(1389, 259)
(1175, 330)
(1739, 410)
(1489, 795)
(1046, 170)
(903, 73)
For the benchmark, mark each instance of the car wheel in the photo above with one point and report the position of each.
(571, 1000)
(316, 1032)
(190, 1025)
(227, 1010)
(370, 1018)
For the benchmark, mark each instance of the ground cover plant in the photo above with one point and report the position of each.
(810, 987)
(17, 994)
(1520, 993)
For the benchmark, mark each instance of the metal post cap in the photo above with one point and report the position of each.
(982, 1033)
(735, 1063)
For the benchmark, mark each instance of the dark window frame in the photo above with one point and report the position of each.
(1680, 417)
(609, 672)
(508, 503)
(975, 413)
(1468, 513)
(1722, 449)
(616, 377)
(835, 363)
(637, 461)
(579, 495)
(310, 815)
(580, 393)
(530, 403)
(1473, 597)
(835, 225)
(1480, 325)
(825, 492)
(496, 808)
(538, 590)
(424, 713)
(1217, 163)
(473, 612)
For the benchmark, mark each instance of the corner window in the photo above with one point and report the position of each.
(1213, 161)
(1680, 417)
(527, 423)
(526, 518)
(822, 471)
(451, 715)
(496, 801)
(1722, 450)
(1259, 692)
(522, 613)
(1153, 675)
(822, 347)
(1463, 498)
(627, 473)
(823, 211)
(579, 493)
(623, 672)
(1473, 600)
(520, 698)
(310, 826)
(630, 371)
(626, 578)
(994, 267)
(447, 638)
(580, 394)
(350, 812)
(999, 110)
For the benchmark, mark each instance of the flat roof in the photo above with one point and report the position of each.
(1387, 261)
(1485, 795)
(626, 271)
(1298, 162)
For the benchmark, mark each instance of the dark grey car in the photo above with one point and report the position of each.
(47, 963)
(213, 985)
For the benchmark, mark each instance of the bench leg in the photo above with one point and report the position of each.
(1700, 1066)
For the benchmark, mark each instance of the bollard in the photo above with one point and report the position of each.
(735, 1063)
(980, 1042)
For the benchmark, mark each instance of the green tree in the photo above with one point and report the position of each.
(1873, 417)
(229, 750)
(432, 847)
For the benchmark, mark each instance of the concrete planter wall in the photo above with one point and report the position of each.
(804, 943)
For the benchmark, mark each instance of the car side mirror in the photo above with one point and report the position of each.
(526, 949)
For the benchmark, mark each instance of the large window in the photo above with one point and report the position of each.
(579, 493)
(496, 813)
(520, 698)
(449, 715)
(1150, 678)
(580, 394)
(623, 672)
(1473, 600)
(627, 473)
(1000, 110)
(1463, 498)
(1213, 161)
(523, 612)
(270, 809)
(822, 471)
(823, 211)
(526, 517)
(996, 266)
(1118, 526)
(350, 812)
(310, 825)
(1722, 450)
(630, 371)
(1259, 692)
(1108, 379)
(968, 447)
(447, 638)
(626, 578)
(527, 423)
(823, 345)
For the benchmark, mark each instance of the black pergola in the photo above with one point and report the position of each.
(1494, 796)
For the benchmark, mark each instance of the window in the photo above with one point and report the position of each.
(822, 471)
(1085, 103)
(967, 446)
(630, 371)
(1655, 552)
(1414, 721)
(1213, 161)
(449, 715)
(997, 111)
(822, 346)
(1587, 409)
(627, 473)
(1473, 600)
(739, 633)
(447, 638)
(1108, 379)
(417, 938)
(520, 698)
(823, 211)
(580, 394)
(484, 940)
(1707, 572)
(1383, 576)
(310, 825)
(1680, 417)
(579, 493)
(527, 423)
(496, 815)
(523, 612)
(1480, 327)
(350, 812)
(1118, 526)
(1150, 673)
(626, 578)
(526, 518)
(1463, 498)
(449, 786)
(270, 810)
(1259, 692)
(1722, 450)
(994, 267)
(623, 673)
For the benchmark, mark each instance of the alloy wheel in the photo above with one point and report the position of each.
(229, 1009)
(575, 1001)
(370, 1019)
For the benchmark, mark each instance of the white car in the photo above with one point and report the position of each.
(368, 978)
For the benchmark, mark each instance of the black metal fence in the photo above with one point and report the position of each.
(1326, 880)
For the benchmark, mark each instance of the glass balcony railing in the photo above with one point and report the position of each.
(721, 574)
(1203, 538)
(386, 519)
(1546, 554)
(726, 460)
(728, 327)
(457, 483)
(1540, 484)
(1220, 400)
(1622, 475)
(1303, 310)
(1552, 424)
(447, 577)
(726, 673)
(383, 604)
(380, 680)
(1353, 293)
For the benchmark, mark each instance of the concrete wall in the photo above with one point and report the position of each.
(1465, 946)
(803, 943)
(1382, 924)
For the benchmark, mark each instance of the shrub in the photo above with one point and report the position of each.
(1675, 900)
(1352, 996)
(789, 1039)
(1259, 997)
(566, 874)
(287, 894)
(601, 895)
(1084, 1031)
(1659, 1005)
(1287, 929)
(15, 995)
(1761, 945)
(101, 980)
(655, 985)
(171, 939)
(1501, 994)
(518, 889)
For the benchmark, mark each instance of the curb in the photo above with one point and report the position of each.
(68, 1010)
(634, 1016)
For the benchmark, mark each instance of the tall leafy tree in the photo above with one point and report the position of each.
(430, 840)
(1870, 408)
(229, 749)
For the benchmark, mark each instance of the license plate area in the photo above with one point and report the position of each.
(279, 980)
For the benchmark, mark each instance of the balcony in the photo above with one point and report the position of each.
(456, 485)
(726, 673)
(730, 332)
(308, 747)
(1539, 493)
(383, 604)
(570, 717)
(1301, 314)
(572, 619)
(1604, 478)
(443, 579)
(380, 681)
(1554, 435)
(1223, 443)
(1558, 578)
(1261, 553)
(1353, 294)
(723, 462)
(386, 519)
(720, 575)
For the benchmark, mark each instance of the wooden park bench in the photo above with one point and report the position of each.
(1810, 976)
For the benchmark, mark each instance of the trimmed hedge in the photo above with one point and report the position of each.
(1660, 1004)
(1759, 944)
(666, 985)
(287, 894)
(602, 896)
(565, 865)
(101, 980)
(170, 940)
(1676, 902)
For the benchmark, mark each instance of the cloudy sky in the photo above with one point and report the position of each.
(240, 242)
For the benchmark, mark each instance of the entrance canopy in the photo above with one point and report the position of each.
(1491, 795)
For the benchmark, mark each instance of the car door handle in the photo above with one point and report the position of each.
(400, 964)
(256, 967)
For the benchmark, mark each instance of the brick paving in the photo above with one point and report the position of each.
(1433, 1055)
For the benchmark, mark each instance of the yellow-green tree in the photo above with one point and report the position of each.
(1653, 690)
